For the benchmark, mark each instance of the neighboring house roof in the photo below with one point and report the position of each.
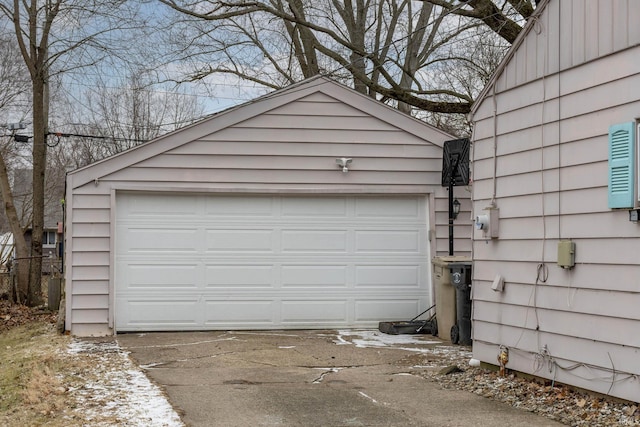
(232, 116)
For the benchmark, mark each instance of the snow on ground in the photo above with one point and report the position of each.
(118, 392)
(374, 338)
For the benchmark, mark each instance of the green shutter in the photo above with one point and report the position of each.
(621, 161)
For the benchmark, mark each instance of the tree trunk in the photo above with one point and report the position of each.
(415, 42)
(21, 266)
(303, 41)
(39, 167)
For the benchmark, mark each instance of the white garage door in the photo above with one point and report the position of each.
(197, 262)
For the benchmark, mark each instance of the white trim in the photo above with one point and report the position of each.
(637, 167)
(112, 262)
(68, 258)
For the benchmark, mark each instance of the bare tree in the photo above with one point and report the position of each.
(390, 49)
(14, 91)
(53, 36)
(118, 115)
(501, 16)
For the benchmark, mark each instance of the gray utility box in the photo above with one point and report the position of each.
(445, 293)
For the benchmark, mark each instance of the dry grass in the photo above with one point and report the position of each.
(42, 383)
(32, 393)
(36, 375)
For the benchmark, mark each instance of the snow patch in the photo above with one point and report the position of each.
(120, 390)
(377, 339)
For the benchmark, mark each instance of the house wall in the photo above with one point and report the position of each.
(575, 74)
(288, 149)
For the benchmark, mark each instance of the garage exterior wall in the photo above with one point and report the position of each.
(285, 144)
(554, 101)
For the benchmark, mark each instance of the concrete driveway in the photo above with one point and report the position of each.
(311, 378)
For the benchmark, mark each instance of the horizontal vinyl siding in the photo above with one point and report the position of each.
(594, 353)
(581, 376)
(590, 327)
(588, 276)
(344, 136)
(301, 176)
(551, 184)
(568, 299)
(462, 226)
(90, 261)
(284, 162)
(589, 29)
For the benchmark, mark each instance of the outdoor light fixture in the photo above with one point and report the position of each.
(344, 162)
(456, 208)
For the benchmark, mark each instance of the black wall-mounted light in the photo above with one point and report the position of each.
(456, 208)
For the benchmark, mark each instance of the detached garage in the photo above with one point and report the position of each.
(251, 219)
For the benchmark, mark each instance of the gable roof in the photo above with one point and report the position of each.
(530, 24)
(234, 115)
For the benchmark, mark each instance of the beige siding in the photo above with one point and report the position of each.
(550, 183)
(588, 29)
(462, 226)
(283, 144)
(88, 258)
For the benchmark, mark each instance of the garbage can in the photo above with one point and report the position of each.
(445, 293)
(461, 280)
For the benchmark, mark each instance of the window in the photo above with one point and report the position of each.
(622, 147)
(49, 239)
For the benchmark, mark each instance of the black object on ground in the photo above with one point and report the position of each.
(413, 326)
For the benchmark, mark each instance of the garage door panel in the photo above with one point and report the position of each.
(324, 311)
(150, 205)
(158, 240)
(249, 313)
(324, 276)
(400, 208)
(160, 277)
(173, 313)
(231, 276)
(314, 241)
(272, 261)
(308, 207)
(388, 276)
(240, 240)
(388, 241)
(394, 309)
(246, 206)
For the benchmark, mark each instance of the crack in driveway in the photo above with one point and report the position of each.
(325, 373)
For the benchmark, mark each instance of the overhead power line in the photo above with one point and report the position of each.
(58, 135)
